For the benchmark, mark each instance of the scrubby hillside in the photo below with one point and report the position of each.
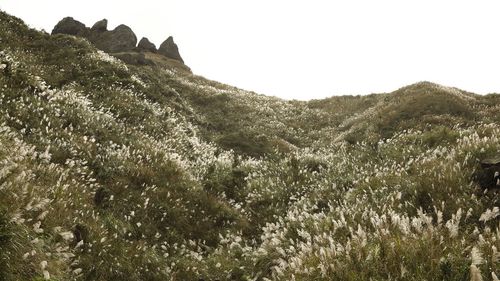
(111, 171)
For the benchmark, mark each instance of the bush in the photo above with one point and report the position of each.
(4, 244)
(247, 143)
(440, 135)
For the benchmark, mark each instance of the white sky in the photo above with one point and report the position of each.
(308, 49)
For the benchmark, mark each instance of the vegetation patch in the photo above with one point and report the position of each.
(110, 171)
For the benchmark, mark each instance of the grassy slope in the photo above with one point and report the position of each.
(116, 172)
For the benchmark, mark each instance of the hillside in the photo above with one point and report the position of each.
(115, 171)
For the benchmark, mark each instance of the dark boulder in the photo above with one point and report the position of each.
(70, 26)
(169, 49)
(146, 46)
(121, 39)
(485, 174)
(100, 26)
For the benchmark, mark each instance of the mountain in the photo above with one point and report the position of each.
(116, 171)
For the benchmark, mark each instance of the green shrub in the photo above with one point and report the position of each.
(247, 143)
(5, 234)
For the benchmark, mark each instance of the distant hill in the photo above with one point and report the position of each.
(117, 170)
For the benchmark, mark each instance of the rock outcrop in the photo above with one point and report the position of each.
(119, 40)
(169, 49)
(146, 46)
(70, 26)
(485, 174)
(100, 26)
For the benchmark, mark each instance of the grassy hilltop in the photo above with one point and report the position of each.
(111, 171)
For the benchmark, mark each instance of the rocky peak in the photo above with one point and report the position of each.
(169, 49)
(100, 26)
(70, 26)
(146, 46)
(119, 40)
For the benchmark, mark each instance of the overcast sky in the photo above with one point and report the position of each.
(308, 49)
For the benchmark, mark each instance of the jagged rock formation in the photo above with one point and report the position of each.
(146, 46)
(120, 40)
(169, 49)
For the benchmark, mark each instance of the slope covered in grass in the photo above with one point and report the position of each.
(116, 172)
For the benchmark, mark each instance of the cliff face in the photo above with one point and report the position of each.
(119, 40)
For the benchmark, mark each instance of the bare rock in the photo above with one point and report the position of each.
(146, 46)
(120, 42)
(484, 175)
(121, 39)
(169, 49)
(70, 26)
(100, 26)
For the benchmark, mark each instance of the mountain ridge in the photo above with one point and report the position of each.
(119, 40)
(116, 171)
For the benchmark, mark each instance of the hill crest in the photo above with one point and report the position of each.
(115, 171)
